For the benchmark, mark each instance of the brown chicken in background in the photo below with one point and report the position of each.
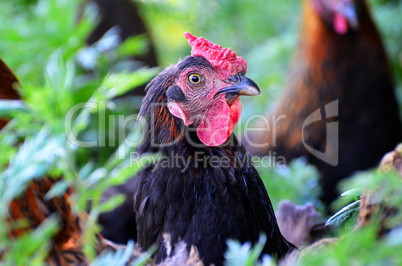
(340, 58)
(35, 208)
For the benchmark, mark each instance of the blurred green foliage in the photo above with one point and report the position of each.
(297, 182)
(359, 247)
(43, 42)
(246, 254)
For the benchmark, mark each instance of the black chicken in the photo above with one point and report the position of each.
(205, 188)
(340, 65)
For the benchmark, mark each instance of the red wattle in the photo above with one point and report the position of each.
(219, 122)
(235, 112)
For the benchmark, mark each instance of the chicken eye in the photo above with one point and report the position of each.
(194, 79)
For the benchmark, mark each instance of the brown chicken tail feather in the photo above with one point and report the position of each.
(34, 207)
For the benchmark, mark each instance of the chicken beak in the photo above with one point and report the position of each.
(349, 11)
(244, 86)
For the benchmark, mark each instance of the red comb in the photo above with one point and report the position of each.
(219, 57)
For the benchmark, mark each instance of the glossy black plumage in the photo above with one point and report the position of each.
(201, 204)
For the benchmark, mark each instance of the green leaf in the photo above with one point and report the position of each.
(134, 45)
(8, 107)
(244, 254)
(57, 189)
(34, 158)
(32, 248)
(344, 214)
(143, 259)
(111, 203)
(121, 256)
(119, 83)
